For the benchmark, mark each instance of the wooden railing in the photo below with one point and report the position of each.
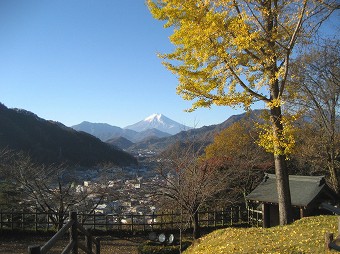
(36, 221)
(254, 217)
(73, 226)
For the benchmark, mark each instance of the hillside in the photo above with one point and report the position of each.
(52, 142)
(120, 142)
(303, 236)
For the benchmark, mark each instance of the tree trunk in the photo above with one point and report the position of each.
(334, 177)
(283, 191)
(60, 219)
(331, 150)
(281, 170)
(196, 230)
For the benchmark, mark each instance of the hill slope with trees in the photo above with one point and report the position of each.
(52, 142)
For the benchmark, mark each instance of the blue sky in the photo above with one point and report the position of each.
(90, 60)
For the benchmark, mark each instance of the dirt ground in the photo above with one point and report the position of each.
(109, 244)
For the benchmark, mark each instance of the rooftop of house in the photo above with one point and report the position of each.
(304, 190)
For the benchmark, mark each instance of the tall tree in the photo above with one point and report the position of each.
(236, 52)
(315, 80)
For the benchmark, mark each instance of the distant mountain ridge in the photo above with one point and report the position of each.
(52, 142)
(203, 135)
(155, 140)
(156, 125)
(104, 131)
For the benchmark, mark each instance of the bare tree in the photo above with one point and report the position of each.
(46, 188)
(189, 181)
(316, 77)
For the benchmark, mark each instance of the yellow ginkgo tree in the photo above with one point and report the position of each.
(236, 52)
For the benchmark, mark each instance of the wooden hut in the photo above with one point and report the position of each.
(307, 194)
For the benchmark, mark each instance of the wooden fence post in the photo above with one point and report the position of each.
(36, 220)
(153, 220)
(12, 222)
(208, 218)
(239, 214)
(222, 215)
(34, 249)
(106, 224)
(94, 220)
(74, 232)
(88, 239)
(48, 221)
(172, 219)
(22, 220)
(98, 245)
(1, 221)
(231, 216)
(328, 239)
(248, 214)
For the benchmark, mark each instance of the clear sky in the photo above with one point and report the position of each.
(90, 60)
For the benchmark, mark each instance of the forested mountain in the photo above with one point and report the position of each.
(120, 142)
(53, 142)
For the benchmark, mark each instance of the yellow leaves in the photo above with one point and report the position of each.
(303, 236)
(275, 102)
(216, 48)
(274, 141)
(232, 141)
(227, 54)
(243, 36)
(231, 34)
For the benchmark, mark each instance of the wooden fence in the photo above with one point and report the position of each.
(37, 221)
(254, 217)
(73, 226)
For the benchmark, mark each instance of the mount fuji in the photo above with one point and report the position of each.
(156, 125)
(159, 122)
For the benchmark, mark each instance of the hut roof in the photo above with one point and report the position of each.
(304, 189)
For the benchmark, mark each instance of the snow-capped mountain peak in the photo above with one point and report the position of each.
(159, 122)
(154, 117)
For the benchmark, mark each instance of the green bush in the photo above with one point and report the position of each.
(150, 247)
